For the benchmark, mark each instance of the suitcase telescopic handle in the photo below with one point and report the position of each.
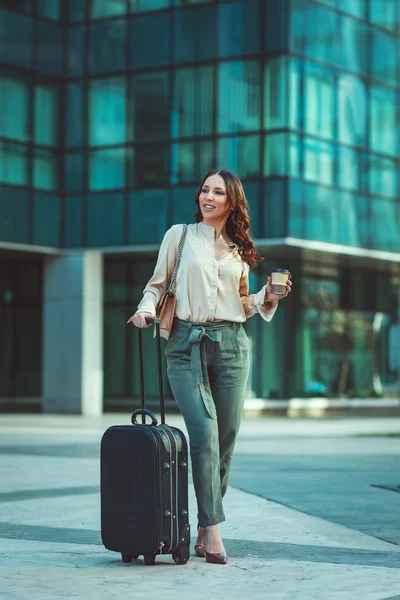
(150, 321)
(144, 412)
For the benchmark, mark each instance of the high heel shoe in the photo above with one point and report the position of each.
(219, 558)
(199, 549)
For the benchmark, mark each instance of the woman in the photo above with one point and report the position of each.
(208, 349)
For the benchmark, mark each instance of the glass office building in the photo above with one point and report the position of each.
(110, 113)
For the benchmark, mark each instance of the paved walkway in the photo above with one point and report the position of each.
(50, 545)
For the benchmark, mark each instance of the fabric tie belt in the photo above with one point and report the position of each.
(198, 355)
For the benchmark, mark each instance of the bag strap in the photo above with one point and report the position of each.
(172, 283)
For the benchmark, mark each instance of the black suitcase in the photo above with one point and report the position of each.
(144, 484)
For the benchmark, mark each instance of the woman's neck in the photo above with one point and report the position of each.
(219, 227)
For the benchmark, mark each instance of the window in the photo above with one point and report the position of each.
(152, 164)
(382, 176)
(13, 163)
(107, 46)
(383, 120)
(276, 26)
(240, 155)
(14, 107)
(296, 76)
(14, 206)
(239, 101)
(190, 161)
(349, 169)
(321, 214)
(384, 59)
(107, 169)
(45, 172)
(74, 116)
(383, 13)
(73, 230)
(275, 95)
(105, 219)
(47, 116)
(74, 172)
(357, 8)
(107, 111)
(107, 8)
(319, 89)
(238, 28)
(50, 9)
(76, 51)
(193, 102)
(15, 39)
(275, 161)
(195, 34)
(318, 161)
(384, 225)
(49, 48)
(46, 220)
(138, 5)
(352, 45)
(150, 118)
(352, 110)
(321, 26)
(76, 10)
(150, 41)
(152, 224)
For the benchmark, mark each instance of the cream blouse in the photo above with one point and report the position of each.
(207, 289)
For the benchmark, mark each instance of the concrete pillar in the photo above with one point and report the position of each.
(73, 334)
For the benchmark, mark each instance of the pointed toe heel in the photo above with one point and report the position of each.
(220, 558)
(200, 551)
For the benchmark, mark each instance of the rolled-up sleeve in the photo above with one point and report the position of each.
(157, 284)
(252, 303)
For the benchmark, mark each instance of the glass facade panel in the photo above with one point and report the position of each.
(73, 225)
(193, 102)
(296, 98)
(240, 155)
(150, 117)
(51, 9)
(321, 216)
(274, 225)
(151, 165)
(76, 57)
(106, 8)
(352, 45)
(183, 205)
(275, 156)
(107, 98)
(148, 216)
(384, 225)
(194, 37)
(239, 97)
(318, 161)
(352, 110)
(275, 93)
(384, 57)
(191, 161)
(321, 32)
(105, 219)
(107, 169)
(16, 32)
(49, 48)
(47, 117)
(276, 28)
(76, 10)
(14, 107)
(385, 13)
(74, 181)
(45, 170)
(14, 206)
(384, 121)
(13, 163)
(46, 220)
(74, 116)
(349, 169)
(319, 90)
(238, 28)
(150, 44)
(141, 5)
(383, 176)
(107, 47)
(357, 8)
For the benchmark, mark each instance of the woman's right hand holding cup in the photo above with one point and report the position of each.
(139, 320)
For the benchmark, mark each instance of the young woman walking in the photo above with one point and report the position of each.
(208, 349)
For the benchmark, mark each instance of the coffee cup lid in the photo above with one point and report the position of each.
(281, 271)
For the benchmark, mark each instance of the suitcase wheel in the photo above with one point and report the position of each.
(149, 559)
(127, 558)
(181, 555)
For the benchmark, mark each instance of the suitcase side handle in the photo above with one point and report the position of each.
(144, 412)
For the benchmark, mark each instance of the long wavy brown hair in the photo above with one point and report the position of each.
(238, 223)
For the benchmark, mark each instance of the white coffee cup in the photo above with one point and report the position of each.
(279, 280)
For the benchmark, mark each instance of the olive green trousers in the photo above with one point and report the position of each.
(208, 368)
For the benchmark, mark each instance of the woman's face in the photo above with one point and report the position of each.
(213, 199)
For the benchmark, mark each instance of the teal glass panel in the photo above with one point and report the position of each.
(14, 107)
(385, 225)
(107, 98)
(275, 155)
(76, 10)
(150, 116)
(45, 170)
(148, 216)
(352, 110)
(383, 121)
(14, 208)
(141, 5)
(190, 161)
(276, 25)
(74, 116)
(295, 155)
(296, 216)
(238, 28)
(294, 87)
(275, 93)
(239, 97)
(105, 217)
(47, 117)
(74, 172)
(194, 38)
(16, 39)
(49, 48)
(151, 164)
(274, 225)
(150, 41)
(318, 161)
(107, 169)
(252, 189)
(383, 176)
(319, 100)
(76, 51)
(50, 9)
(183, 205)
(353, 42)
(385, 13)
(193, 102)
(384, 58)
(349, 169)
(13, 163)
(107, 8)
(357, 8)
(20, 5)
(116, 273)
(73, 215)
(321, 214)
(107, 46)
(186, 2)
(321, 31)
(352, 219)
(46, 220)
(240, 155)
(298, 15)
